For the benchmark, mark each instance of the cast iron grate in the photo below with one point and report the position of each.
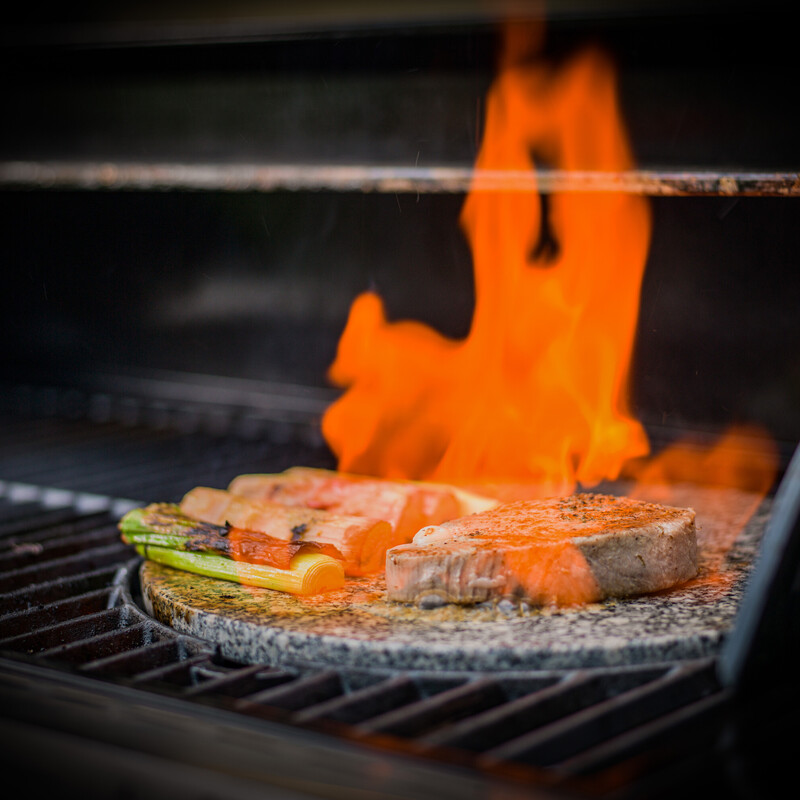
(68, 602)
(80, 659)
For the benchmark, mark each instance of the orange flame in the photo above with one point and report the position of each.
(724, 482)
(537, 391)
(745, 457)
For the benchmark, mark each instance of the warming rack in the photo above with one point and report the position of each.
(366, 178)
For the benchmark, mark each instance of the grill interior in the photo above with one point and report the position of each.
(188, 211)
(81, 662)
(69, 599)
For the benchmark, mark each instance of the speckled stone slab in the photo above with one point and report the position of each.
(357, 627)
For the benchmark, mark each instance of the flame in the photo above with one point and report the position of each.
(724, 482)
(537, 391)
(744, 457)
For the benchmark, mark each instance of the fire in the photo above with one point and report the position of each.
(537, 391)
(724, 482)
(745, 457)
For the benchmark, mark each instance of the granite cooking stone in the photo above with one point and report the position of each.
(357, 627)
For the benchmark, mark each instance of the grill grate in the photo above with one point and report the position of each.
(72, 626)
(69, 603)
(121, 445)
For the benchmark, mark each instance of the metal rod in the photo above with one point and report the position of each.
(264, 177)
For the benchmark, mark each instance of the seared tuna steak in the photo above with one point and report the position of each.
(560, 551)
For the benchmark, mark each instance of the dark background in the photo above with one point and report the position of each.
(258, 284)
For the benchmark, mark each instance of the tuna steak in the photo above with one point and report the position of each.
(561, 551)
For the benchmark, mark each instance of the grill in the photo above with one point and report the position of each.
(101, 699)
(187, 215)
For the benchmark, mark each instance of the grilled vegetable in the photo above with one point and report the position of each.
(362, 541)
(309, 573)
(162, 533)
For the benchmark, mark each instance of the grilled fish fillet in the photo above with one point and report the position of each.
(561, 551)
(407, 506)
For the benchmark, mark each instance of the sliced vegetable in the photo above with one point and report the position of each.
(362, 541)
(164, 525)
(309, 573)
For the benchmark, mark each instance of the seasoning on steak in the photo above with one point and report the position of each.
(561, 551)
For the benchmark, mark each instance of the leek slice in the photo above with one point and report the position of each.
(309, 573)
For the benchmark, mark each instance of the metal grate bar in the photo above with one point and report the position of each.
(387, 178)
(76, 524)
(172, 481)
(240, 682)
(168, 400)
(553, 743)
(103, 645)
(297, 694)
(62, 633)
(131, 451)
(676, 730)
(177, 673)
(18, 516)
(29, 553)
(144, 659)
(143, 458)
(97, 472)
(484, 730)
(74, 444)
(40, 521)
(440, 709)
(31, 596)
(64, 567)
(575, 691)
(157, 470)
(362, 704)
(43, 413)
(213, 466)
(51, 614)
